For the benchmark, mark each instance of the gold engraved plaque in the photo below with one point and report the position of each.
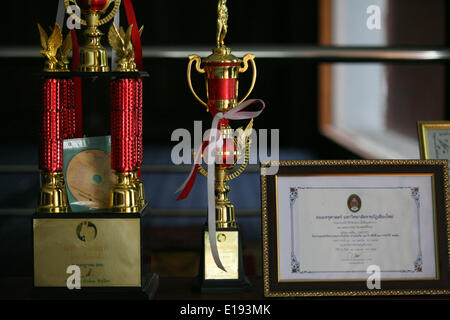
(108, 251)
(228, 247)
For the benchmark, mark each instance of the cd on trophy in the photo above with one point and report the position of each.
(90, 178)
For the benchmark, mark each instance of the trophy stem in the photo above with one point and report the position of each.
(53, 196)
(225, 217)
(93, 57)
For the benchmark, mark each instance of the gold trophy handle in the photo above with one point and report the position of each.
(195, 58)
(200, 167)
(242, 167)
(202, 171)
(248, 57)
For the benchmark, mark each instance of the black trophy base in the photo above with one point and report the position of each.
(222, 286)
(150, 284)
(209, 284)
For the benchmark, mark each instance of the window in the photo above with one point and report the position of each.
(372, 108)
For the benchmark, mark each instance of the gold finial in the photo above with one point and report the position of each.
(222, 23)
(121, 43)
(50, 46)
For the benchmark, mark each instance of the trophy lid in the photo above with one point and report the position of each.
(222, 55)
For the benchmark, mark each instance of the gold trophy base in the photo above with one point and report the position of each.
(107, 248)
(210, 278)
(53, 195)
(125, 196)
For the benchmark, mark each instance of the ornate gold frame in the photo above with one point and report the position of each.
(386, 165)
(422, 131)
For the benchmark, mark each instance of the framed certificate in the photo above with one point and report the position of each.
(356, 227)
(434, 139)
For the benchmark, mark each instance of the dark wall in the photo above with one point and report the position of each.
(416, 93)
(183, 22)
(288, 86)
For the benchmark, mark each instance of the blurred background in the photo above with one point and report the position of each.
(334, 87)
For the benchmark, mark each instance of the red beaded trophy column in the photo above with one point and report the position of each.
(52, 196)
(56, 122)
(69, 113)
(126, 144)
(128, 194)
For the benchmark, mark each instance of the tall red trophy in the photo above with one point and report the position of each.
(221, 260)
(98, 251)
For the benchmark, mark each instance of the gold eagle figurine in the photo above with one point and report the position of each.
(63, 53)
(50, 46)
(243, 137)
(121, 43)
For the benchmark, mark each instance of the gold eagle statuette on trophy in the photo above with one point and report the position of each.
(55, 49)
(63, 53)
(243, 138)
(121, 43)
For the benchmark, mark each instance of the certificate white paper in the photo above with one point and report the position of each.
(336, 227)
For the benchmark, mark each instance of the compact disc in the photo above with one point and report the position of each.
(90, 178)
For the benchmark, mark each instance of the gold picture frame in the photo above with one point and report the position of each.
(423, 130)
(437, 169)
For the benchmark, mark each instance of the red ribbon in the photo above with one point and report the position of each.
(135, 37)
(186, 189)
(75, 50)
(190, 184)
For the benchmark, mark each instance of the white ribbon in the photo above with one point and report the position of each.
(60, 14)
(215, 141)
(113, 53)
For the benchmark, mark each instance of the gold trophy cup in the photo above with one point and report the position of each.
(93, 56)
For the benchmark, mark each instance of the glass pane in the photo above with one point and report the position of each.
(411, 22)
